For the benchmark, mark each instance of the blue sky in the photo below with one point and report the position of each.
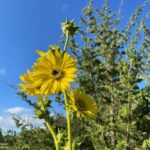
(27, 25)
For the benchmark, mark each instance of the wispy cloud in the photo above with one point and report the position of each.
(2, 71)
(17, 110)
(64, 7)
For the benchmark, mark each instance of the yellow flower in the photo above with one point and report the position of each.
(54, 71)
(82, 104)
(27, 86)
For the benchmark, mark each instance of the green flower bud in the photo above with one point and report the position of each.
(69, 27)
(39, 113)
(54, 47)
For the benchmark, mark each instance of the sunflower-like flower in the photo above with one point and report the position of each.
(54, 71)
(27, 86)
(82, 104)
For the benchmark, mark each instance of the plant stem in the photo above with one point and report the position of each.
(53, 134)
(68, 122)
(46, 119)
(68, 117)
(66, 42)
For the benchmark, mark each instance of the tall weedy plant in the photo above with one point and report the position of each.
(52, 73)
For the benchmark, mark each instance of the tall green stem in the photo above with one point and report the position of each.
(53, 134)
(68, 122)
(66, 42)
(66, 104)
(50, 127)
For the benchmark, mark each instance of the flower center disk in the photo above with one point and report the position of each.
(57, 74)
(80, 105)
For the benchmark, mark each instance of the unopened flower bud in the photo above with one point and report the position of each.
(69, 27)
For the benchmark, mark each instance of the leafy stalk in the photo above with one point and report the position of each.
(68, 122)
(46, 118)
(66, 104)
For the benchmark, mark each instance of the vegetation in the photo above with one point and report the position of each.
(114, 64)
(113, 68)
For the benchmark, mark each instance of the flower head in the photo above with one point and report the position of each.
(28, 85)
(82, 104)
(54, 71)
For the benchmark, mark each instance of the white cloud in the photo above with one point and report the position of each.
(36, 122)
(27, 115)
(17, 110)
(7, 123)
(64, 7)
(2, 71)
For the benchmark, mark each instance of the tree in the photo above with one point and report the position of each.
(1, 136)
(113, 64)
